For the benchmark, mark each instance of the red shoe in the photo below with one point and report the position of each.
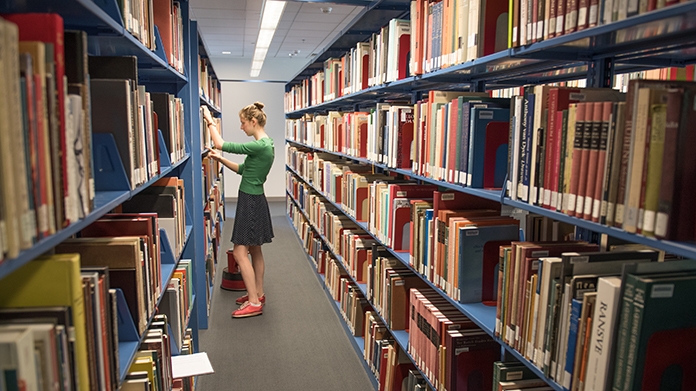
(245, 298)
(247, 309)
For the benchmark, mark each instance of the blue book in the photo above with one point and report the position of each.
(480, 118)
(426, 246)
(575, 309)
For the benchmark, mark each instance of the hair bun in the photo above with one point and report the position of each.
(259, 105)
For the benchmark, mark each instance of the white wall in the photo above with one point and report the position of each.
(236, 95)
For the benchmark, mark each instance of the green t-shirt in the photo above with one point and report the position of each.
(257, 164)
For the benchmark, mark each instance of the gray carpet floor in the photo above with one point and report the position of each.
(297, 344)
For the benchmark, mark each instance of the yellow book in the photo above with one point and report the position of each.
(143, 363)
(52, 281)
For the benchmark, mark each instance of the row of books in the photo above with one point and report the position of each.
(384, 58)
(447, 33)
(51, 185)
(589, 320)
(440, 34)
(140, 17)
(64, 316)
(209, 84)
(206, 140)
(152, 368)
(569, 149)
(139, 20)
(447, 347)
(47, 185)
(213, 217)
(610, 162)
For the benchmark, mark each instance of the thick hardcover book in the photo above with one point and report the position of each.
(662, 320)
(117, 253)
(606, 316)
(112, 102)
(77, 74)
(52, 281)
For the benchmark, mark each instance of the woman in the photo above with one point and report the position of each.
(252, 223)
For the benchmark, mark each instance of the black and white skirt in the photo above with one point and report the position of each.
(252, 221)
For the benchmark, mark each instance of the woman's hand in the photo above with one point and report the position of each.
(215, 155)
(206, 114)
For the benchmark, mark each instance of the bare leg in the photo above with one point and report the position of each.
(241, 254)
(259, 265)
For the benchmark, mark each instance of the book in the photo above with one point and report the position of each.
(660, 324)
(606, 315)
(52, 281)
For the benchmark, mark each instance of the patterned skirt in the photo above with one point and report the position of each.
(252, 222)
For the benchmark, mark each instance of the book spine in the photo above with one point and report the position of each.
(622, 343)
(572, 342)
(669, 161)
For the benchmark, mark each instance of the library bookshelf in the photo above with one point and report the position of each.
(644, 41)
(167, 57)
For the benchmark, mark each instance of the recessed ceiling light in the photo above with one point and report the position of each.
(226, 52)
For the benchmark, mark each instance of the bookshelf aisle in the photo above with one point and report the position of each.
(505, 189)
(108, 233)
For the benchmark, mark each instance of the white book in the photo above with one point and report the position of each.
(45, 343)
(17, 354)
(601, 342)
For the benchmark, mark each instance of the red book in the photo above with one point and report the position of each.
(162, 10)
(404, 52)
(558, 100)
(577, 152)
(556, 162)
(471, 354)
(48, 28)
(452, 141)
(593, 161)
(584, 158)
(669, 161)
(601, 160)
(405, 138)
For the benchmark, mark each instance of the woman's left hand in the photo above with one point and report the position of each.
(213, 154)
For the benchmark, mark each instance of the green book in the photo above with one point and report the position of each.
(664, 317)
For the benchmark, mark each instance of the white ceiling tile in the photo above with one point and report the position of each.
(232, 25)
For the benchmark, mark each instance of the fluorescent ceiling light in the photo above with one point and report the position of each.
(226, 52)
(272, 11)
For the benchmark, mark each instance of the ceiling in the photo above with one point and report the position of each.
(305, 30)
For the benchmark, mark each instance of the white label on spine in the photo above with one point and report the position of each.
(662, 291)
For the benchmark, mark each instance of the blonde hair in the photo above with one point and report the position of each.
(254, 111)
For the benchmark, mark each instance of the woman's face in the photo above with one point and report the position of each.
(247, 126)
